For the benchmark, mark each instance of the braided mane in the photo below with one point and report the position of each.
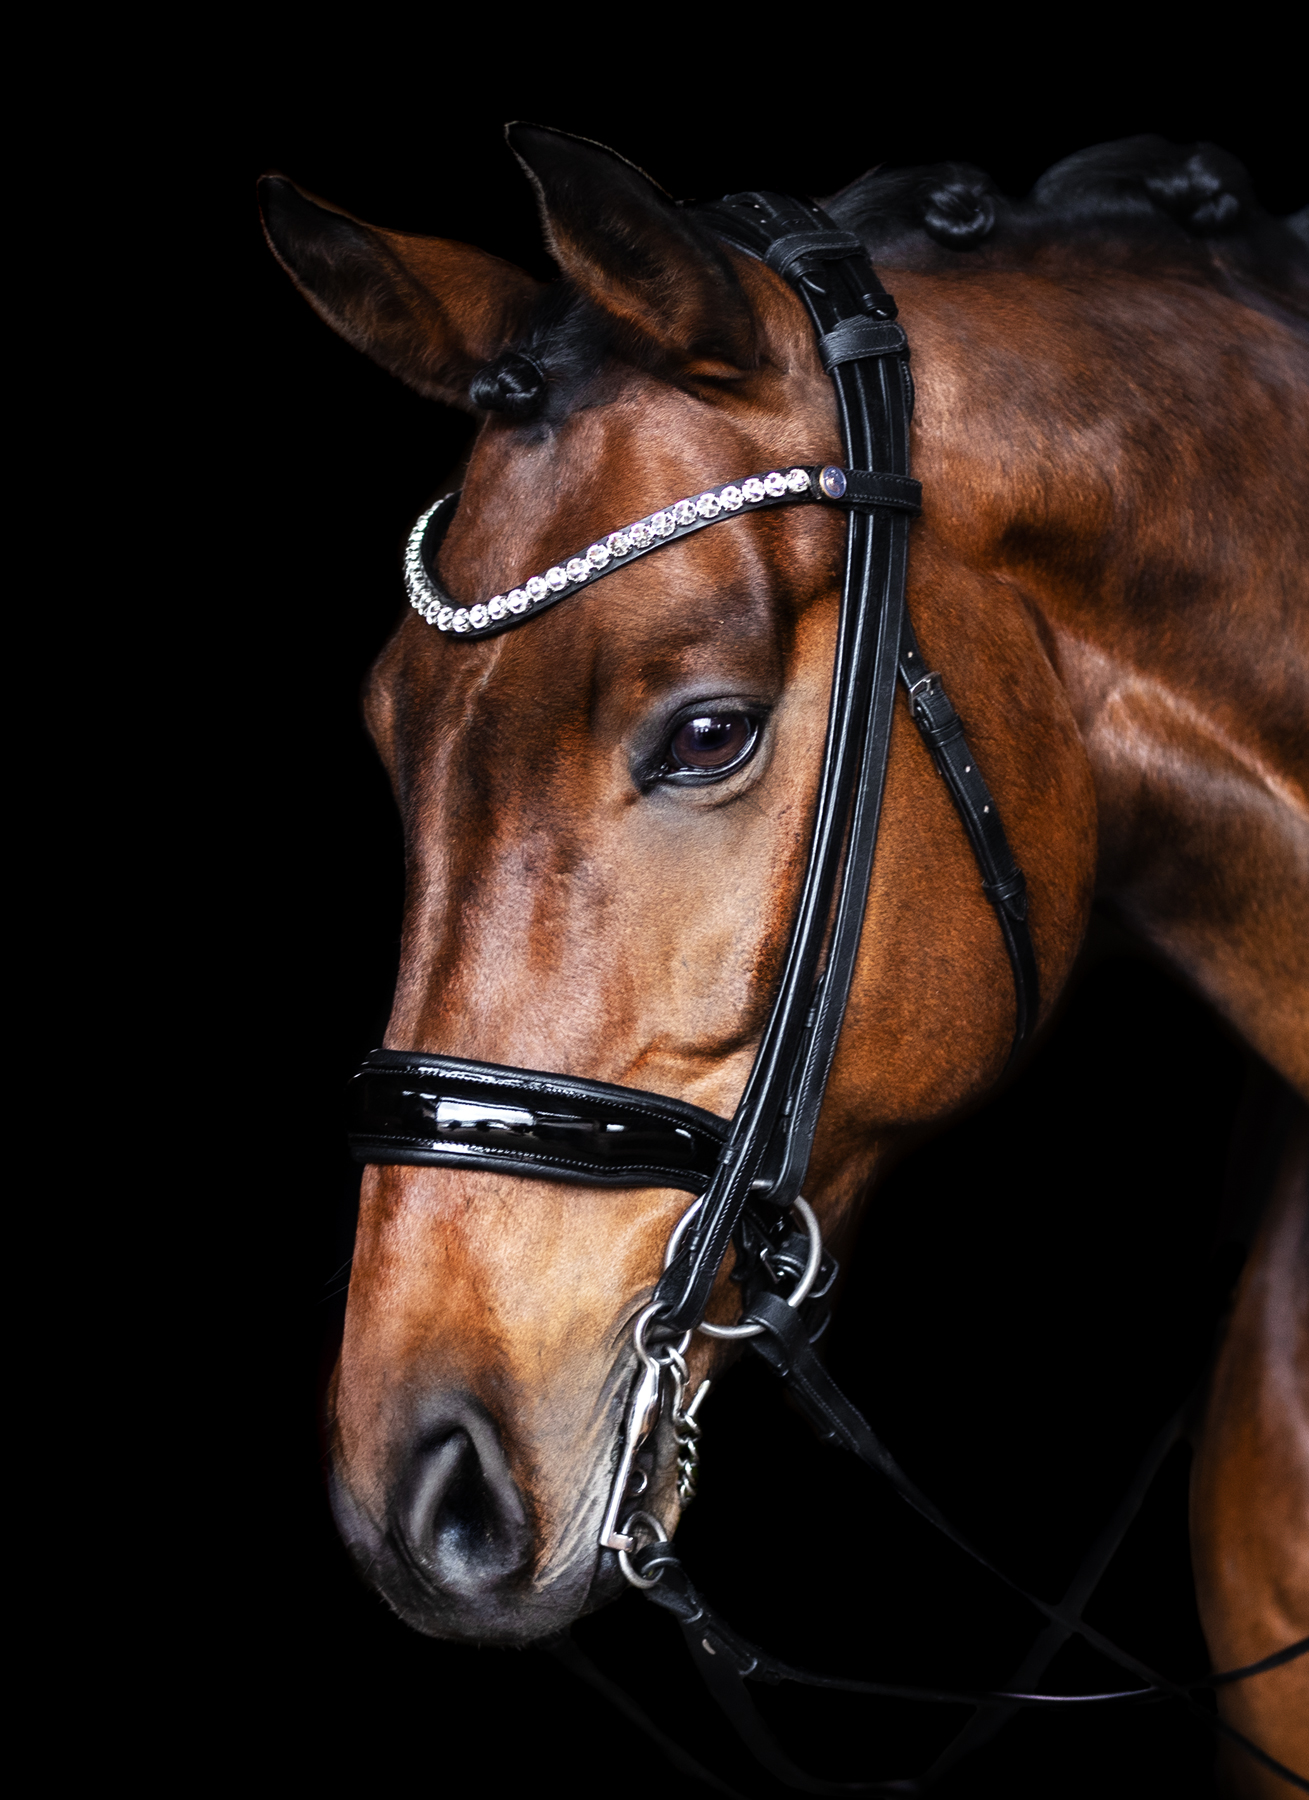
(1190, 207)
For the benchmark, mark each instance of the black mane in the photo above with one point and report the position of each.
(1191, 207)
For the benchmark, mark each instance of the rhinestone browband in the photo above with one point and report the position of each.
(430, 600)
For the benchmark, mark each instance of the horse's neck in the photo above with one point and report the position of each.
(1144, 502)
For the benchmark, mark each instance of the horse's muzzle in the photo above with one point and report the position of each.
(453, 1551)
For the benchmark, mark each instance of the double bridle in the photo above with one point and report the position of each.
(411, 1107)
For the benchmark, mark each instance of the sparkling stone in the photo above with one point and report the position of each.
(797, 481)
(460, 621)
(517, 601)
(577, 568)
(444, 617)
(478, 617)
(664, 523)
(776, 484)
(730, 497)
(556, 580)
(685, 510)
(496, 606)
(537, 588)
(639, 534)
(618, 544)
(832, 481)
(753, 490)
(598, 555)
(707, 506)
(431, 612)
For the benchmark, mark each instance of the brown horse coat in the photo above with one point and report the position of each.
(1109, 570)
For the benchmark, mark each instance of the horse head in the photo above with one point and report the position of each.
(607, 812)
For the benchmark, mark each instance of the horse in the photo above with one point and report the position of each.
(607, 809)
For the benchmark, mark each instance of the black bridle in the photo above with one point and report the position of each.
(411, 1107)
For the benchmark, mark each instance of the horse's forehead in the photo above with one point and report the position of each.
(540, 493)
(533, 497)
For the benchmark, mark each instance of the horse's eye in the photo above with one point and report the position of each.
(711, 743)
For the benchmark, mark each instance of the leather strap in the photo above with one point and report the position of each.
(785, 1346)
(726, 1660)
(1002, 880)
(768, 1150)
(408, 1107)
(863, 488)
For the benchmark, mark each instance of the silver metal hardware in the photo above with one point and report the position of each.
(797, 1294)
(642, 1416)
(624, 1562)
(669, 1359)
(832, 481)
(686, 1429)
(666, 1353)
(924, 681)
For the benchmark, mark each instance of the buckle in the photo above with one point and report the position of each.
(923, 686)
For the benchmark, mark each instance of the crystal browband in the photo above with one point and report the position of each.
(823, 482)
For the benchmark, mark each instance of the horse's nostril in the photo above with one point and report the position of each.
(466, 1513)
(457, 1516)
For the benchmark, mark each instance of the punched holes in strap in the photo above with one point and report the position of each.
(1003, 882)
(943, 731)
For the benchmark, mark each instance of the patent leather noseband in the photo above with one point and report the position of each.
(412, 1108)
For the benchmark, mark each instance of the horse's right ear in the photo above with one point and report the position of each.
(430, 311)
(644, 261)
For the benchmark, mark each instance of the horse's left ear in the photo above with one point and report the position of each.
(431, 311)
(637, 255)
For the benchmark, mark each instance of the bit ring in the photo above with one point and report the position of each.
(798, 1292)
(624, 1559)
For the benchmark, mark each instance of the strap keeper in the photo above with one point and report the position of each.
(933, 712)
(854, 339)
(864, 489)
(799, 251)
(1010, 892)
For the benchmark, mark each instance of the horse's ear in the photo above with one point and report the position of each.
(637, 255)
(430, 311)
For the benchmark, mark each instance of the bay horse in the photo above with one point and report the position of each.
(606, 812)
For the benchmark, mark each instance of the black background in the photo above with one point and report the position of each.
(1034, 1290)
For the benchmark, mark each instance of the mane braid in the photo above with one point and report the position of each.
(1163, 203)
